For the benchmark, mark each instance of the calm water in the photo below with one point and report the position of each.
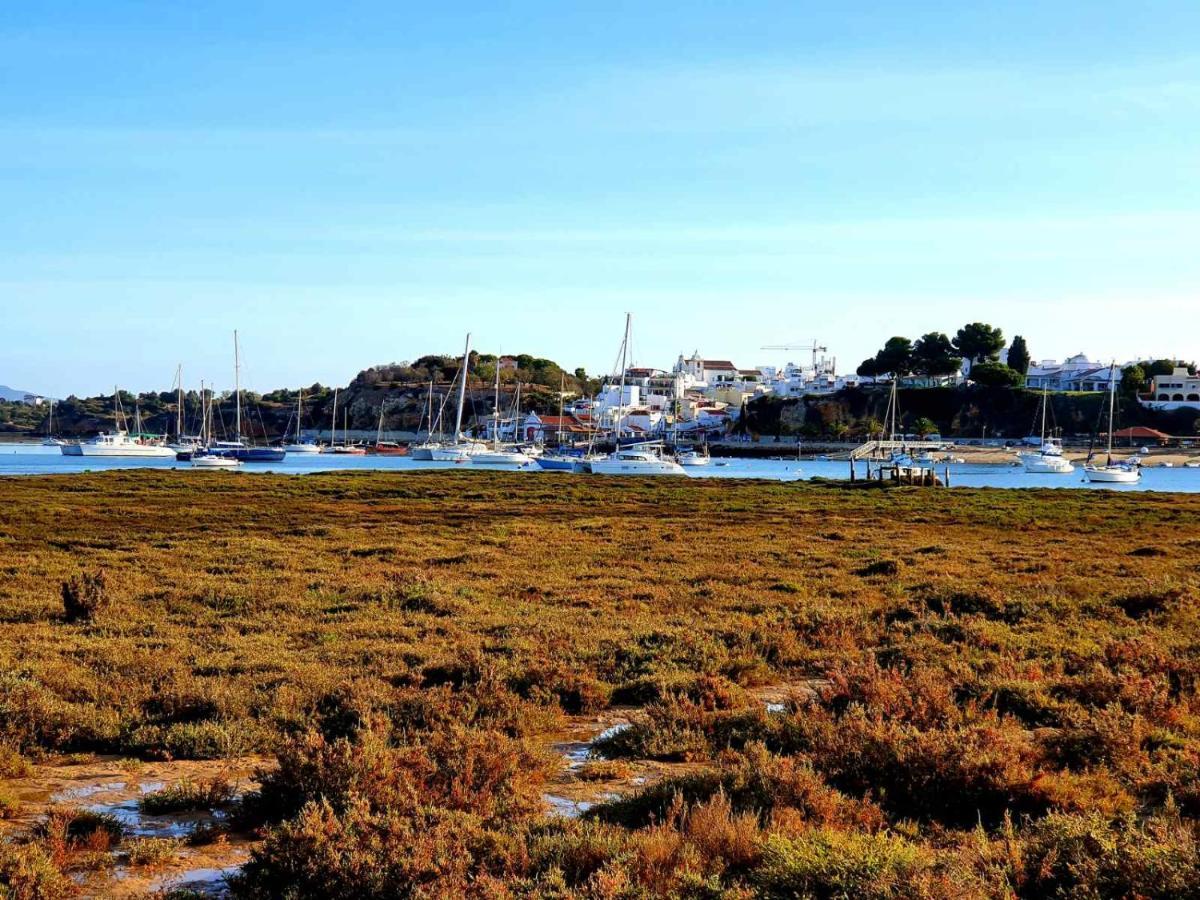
(26, 460)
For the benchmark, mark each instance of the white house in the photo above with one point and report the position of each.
(1175, 391)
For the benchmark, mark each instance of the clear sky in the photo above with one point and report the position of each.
(352, 183)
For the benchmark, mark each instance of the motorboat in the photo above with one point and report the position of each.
(693, 457)
(215, 462)
(1048, 459)
(119, 443)
(1046, 464)
(639, 459)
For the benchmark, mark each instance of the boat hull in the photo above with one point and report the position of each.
(1113, 475)
(127, 452)
(301, 448)
(1047, 465)
(500, 458)
(247, 454)
(635, 467)
(215, 462)
(558, 463)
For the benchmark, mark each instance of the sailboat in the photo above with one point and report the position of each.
(209, 460)
(1049, 459)
(238, 448)
(499, 455)
(644, 458)
(424, 450)
(382, 447)
(559, 461)
(51, 440)
(461, 449)
(345, 448)
(119, 442)
(1112, 473)
(301, 444)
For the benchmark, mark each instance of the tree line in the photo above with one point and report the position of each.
(937, 355)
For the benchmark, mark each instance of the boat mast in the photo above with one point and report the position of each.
(333, 425)
(429, 433)
(346, 426)
(299, 413)
(496, 411)
(562, 390)
(237, 384)
(179, 404)
(379, 431)
(1112, 401)
(462, 390)
(621, 396)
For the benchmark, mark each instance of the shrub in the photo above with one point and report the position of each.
(152, 852)
(28, 873)
(84, 595)
(832, 864)
(188, 795)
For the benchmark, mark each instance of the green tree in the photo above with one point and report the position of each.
(979, 342)
(1018, 355)
(1132, 379)
(868, 368)
(924, 427)
(896, 358)
(994, 374)
(581, 374)
(933, 355)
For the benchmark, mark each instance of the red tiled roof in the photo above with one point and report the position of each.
(718, 364)
(1141, 431)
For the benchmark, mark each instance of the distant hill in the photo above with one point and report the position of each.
(12, 395)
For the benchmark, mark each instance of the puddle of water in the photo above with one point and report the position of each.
(776, 708)
(85, 791)
(209, 882)
(138, 824)
(610, 732)
(566, 808)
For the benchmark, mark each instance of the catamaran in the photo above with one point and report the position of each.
(1126, 472)
(120, 442)
(1048, 460)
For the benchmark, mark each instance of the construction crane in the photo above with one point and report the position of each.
(814, 347)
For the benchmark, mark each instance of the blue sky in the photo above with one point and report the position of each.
(357, 183)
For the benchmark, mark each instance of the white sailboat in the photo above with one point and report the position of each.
(1126, 472)
(119, 442)
(424, 450)
(210, 460)
(51, 440)
(639, 459)
(301, 444)
(462, 448)
(1048, 460)
(498, 455)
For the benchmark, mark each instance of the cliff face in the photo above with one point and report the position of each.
(968, 411)
(401, 392)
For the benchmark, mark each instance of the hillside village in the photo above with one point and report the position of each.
(975, 383)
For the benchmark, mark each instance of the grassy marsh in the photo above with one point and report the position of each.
(1000, 687)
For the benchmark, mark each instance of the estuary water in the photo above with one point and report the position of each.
(23, 459)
